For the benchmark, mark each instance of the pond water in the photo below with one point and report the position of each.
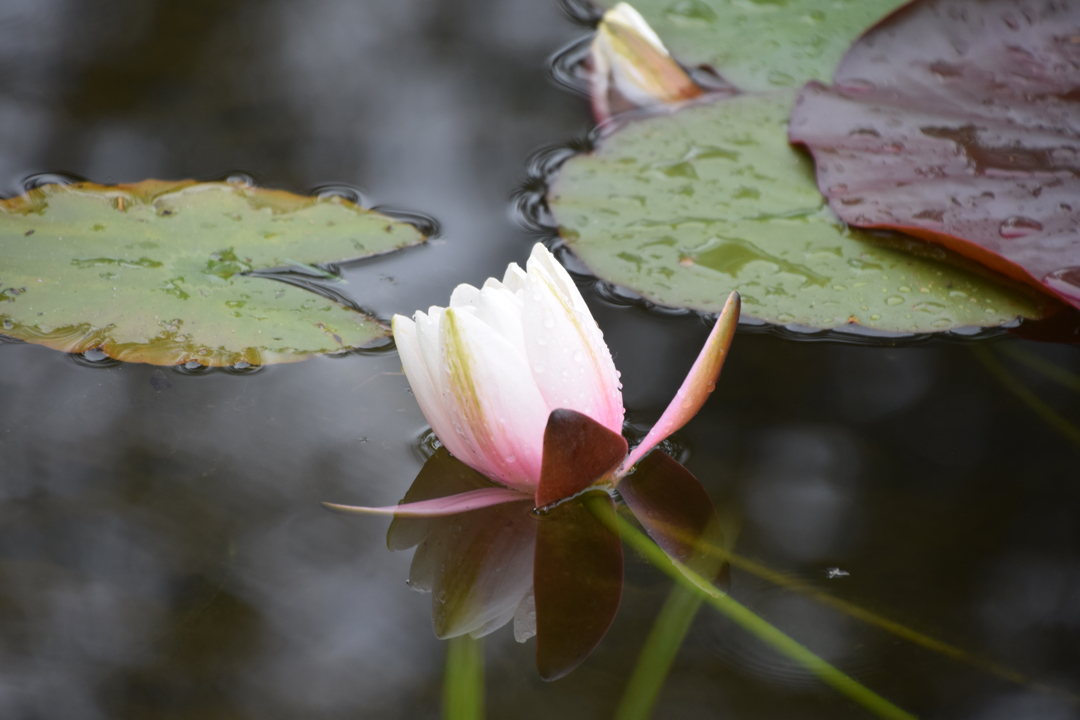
(163, 551)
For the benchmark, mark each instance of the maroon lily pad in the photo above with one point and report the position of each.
(578, 451)
(959, 122)
(577, 580)
(677, 513)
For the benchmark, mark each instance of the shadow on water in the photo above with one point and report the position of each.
(163, 552)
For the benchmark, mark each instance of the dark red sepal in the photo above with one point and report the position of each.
(578, 451)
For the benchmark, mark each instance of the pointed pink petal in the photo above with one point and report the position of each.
(696, 387)
(442, 476)
(464, 502)
(578, 451)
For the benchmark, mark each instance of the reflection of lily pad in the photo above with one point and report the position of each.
(157, 272)
(762, 44)
(685, 208)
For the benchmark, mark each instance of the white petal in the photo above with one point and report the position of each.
(416, 370)
(437, 411)
(501, 310)
(514, 278)
(570, 362)
(464, 295)
(494, 400)
(525, 618)
(627, 15)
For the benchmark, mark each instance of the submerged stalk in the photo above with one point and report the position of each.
(463, 679)
(1029, 398)
(749, 621)
(659, 653)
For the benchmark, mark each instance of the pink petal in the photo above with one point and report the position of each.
(493, 399)
(696, 387)
(463, 502)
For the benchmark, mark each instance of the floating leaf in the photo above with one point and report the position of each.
(958, 122)
(685, 208)
(762, 44)
(160, 272)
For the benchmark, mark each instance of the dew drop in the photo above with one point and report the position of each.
(875, 317)
(578, 356)
(510, 459)
(549, 320)
(1018, 227)
(894, 300)
(538, 368)
(1065, 282)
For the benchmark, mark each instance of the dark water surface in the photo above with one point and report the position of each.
(163, 553)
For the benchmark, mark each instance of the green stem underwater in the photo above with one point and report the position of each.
(659, 653)
(463, 679)
(1029, 398)
(749, 621)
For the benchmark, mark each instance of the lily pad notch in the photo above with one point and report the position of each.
(169, 273)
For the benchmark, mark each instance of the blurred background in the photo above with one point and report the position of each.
(163, 553)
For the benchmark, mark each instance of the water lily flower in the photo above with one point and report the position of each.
(520, 388)
(629, 61)
(517, 382)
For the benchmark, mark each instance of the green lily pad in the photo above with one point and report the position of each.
(685, 208)
(762, 44)
(159, 272)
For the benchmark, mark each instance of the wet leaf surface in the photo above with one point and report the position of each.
(959, 122)
(577, 581)
(763, 44)
(159, 272)
(685, 208)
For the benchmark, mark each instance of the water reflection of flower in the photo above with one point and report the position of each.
(520, 388)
